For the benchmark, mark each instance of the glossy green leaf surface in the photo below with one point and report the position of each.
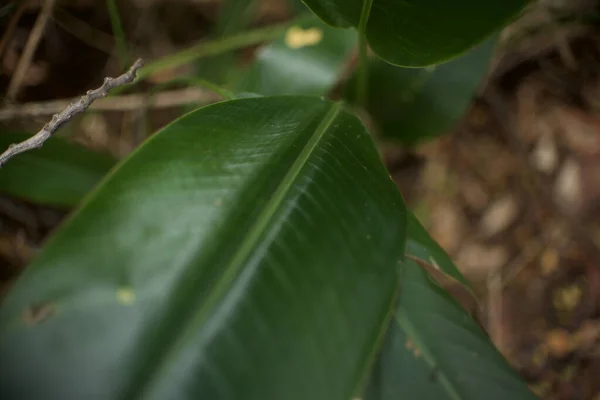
(415, 104)
(217, 262)
(58, 174)
(416, 33)
(419, 245)
(434, 350)
(307, 59)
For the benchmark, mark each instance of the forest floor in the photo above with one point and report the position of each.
(511, 193)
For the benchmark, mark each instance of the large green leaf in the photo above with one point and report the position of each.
(250, 250)
(434, 350)
(307, 59)
(58, 174)
(420, 32)
(414, 104)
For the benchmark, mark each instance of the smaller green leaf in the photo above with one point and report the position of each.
(58, 174)
(434, 350)
(307, 59)
(414, 104)
(420, 246)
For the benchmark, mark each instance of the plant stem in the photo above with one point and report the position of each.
(118, 31)
(218, 46)
(363, 58)
(193, 81)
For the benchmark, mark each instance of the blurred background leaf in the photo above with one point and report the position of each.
(58, 174)
(307, 59)
(297, 6)
(415, 104)
(234, 16)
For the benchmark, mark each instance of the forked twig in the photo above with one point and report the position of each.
(58, 120)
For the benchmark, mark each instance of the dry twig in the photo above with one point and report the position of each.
(127, 102)
(37, 140)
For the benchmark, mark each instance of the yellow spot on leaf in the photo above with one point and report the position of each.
(296, 37)
(125, 296)
(435, 264)
(218, 202)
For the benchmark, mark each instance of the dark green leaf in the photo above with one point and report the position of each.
(58, 174)
(307, 59)
(434, 350)
(416, 33)
(414, 104)
(218, 262)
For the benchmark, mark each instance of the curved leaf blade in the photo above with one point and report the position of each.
(307, 59)
(416, 33)
(434, 350)
(411, 105)
(58, 174)
(218, 263)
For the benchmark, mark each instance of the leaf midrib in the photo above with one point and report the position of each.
(231, 270)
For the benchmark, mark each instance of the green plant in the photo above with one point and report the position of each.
(257, 248)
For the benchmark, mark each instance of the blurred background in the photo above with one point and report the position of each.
(497, 151)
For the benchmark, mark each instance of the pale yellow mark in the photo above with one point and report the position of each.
(435, 264)
(296, 37)
(218, 202)
(125, 296)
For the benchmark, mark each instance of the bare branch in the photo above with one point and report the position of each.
(127, 102)
(58, 120)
